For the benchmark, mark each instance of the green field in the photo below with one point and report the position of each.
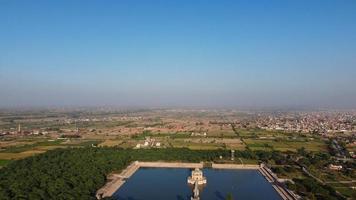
(23, 151)
(22, 148)
(285, 145)
(4, 162)
(196, 146)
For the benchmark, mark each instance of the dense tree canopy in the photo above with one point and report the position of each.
(77, 173)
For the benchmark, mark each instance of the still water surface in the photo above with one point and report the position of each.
(171, 184)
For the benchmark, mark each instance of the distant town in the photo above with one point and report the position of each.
(110, 123)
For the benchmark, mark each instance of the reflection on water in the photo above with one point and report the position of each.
(164, 183)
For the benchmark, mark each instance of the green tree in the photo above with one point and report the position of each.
(229, 197)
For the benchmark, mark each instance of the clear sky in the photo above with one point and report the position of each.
(272, 53)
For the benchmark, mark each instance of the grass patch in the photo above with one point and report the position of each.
(4, 162)
(110, 143)
(27, 147)
(15, 156)
(247, 161)
(196, 146)
(285, 145)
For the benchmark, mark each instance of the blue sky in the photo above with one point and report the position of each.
(178, 53)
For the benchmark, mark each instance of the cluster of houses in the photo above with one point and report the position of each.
(198, 134)
(19, 131)
(149, 142)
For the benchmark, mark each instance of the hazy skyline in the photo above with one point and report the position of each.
(178, 53)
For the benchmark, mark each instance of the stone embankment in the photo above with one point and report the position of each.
(234, 166)
(170, 165)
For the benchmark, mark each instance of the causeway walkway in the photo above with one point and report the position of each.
(271, 177)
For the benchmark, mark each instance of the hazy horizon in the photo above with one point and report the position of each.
(239, 54)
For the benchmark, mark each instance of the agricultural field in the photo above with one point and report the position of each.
(13, 150)
(221, 133)
(110, 143)
(285, 145)
(195, 146)
(227, 143)
(15, 156)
